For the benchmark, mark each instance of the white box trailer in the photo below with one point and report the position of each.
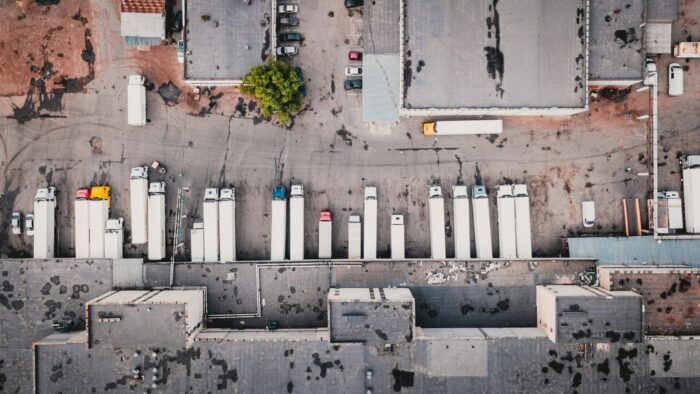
(211, 224)
(296, 223)
(354, 237)
(462, 127)
(523, 232)
(506, 222)
(278, 231)
(462, 236)
(136, 100)
(156, 221)
(197, 242)
(370, 211)
(691, 192)
(687, 50)
(398, 248)
(227, 224)
(325, 235)
(82, 228)
(437, 222)
(99, 213)
(138, 183)
(482, 222)
(114, 239)
(44, 223)
(675, 210)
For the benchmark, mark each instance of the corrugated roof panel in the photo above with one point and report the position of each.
(144, 6)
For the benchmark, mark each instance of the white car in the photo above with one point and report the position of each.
(588, 213)
(181, 51)
(286, 50)
(674, 87)
(353, 71)
(16, 223)
(288, 9)
(650, 72)
(29, 224)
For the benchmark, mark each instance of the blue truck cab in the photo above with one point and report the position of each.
(279, 193)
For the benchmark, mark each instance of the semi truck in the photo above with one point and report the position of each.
(462, 237)
(211, 224)
(44, 222)
(398, 248)
(354, 237)
(138, 183)
(114, 238)
(278, 232)
(296, 223)
(523, 232)
(370, 245)
(506, 222)
(197, 242)
(156, 221)
(136, 101)
(462, 127)
(482, 222)
(691, 192)
(227, 224)
(325, 235)
(99, 213)
(686, 50)
(82, 223)
(437, 222)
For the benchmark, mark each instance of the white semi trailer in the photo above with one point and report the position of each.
(691, 192)
(197, 242)
(506, 222)
(82, 224)
(227, 224)
(523, 232)
(296, 223)
(114, 239)
(211, 224)
(370, 245)
(99, 213)
(398, 248)
(354, 237)
(278, 231)
(136, 97)
(482, 222)
(44, 223)
(138, 183)
(325, 235)
(462, 236)
(437, 222)
(156, 221)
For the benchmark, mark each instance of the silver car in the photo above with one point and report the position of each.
(286, 50)
(16, 223)
(29, 224)
(288, 9)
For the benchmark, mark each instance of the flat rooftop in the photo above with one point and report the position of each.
(235, 38)
(483, 54)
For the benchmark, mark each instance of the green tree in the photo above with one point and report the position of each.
(278, 87)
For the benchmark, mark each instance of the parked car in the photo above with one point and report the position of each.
(176, 24)
(650, 77)
(351, 84)
(288, 9)
(355, 55)
(353, 71)
(47, 2)
(588, 213)
(289, 37)
(674, 86)
(180, 51)
(16, 223)
(354, 3)
(289, 21)
(29, 224)
(287, 50)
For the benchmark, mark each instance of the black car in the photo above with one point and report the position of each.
(289, 21)
(176, 24)
(354, 3)
(351, 84)
(289, 37)
(47, 2)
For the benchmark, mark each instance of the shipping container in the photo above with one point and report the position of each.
(398, 248)
(114, 239)
(482, 222)
(99, 213)
(82, 224)
(278, 231)
(44, 223)
(462, 236)
(296, 223)
(156, 221)
(136, 101)
(197, 242)
(370, 229)
(227, 224)
(325, 235)
(462, 127)
(506, 222)
(211, 224)
(138, 183)
(437, 222)
(523, 232)
(354, 237)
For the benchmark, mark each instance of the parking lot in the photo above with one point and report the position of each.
(594, 155)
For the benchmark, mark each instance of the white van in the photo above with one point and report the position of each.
(674, 87)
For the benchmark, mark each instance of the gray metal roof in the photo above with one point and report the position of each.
(662, 10)
(381, 26)
(487, 54)
(636, 250)
(616, 40)
(380, 88)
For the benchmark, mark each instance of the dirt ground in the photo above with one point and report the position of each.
(51, 45)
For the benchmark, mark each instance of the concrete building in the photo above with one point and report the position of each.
(583, 314)
(374, 316)
(143, 22)
(660, 17)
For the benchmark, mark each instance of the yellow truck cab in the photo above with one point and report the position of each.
(101, 193)
(428, 129)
